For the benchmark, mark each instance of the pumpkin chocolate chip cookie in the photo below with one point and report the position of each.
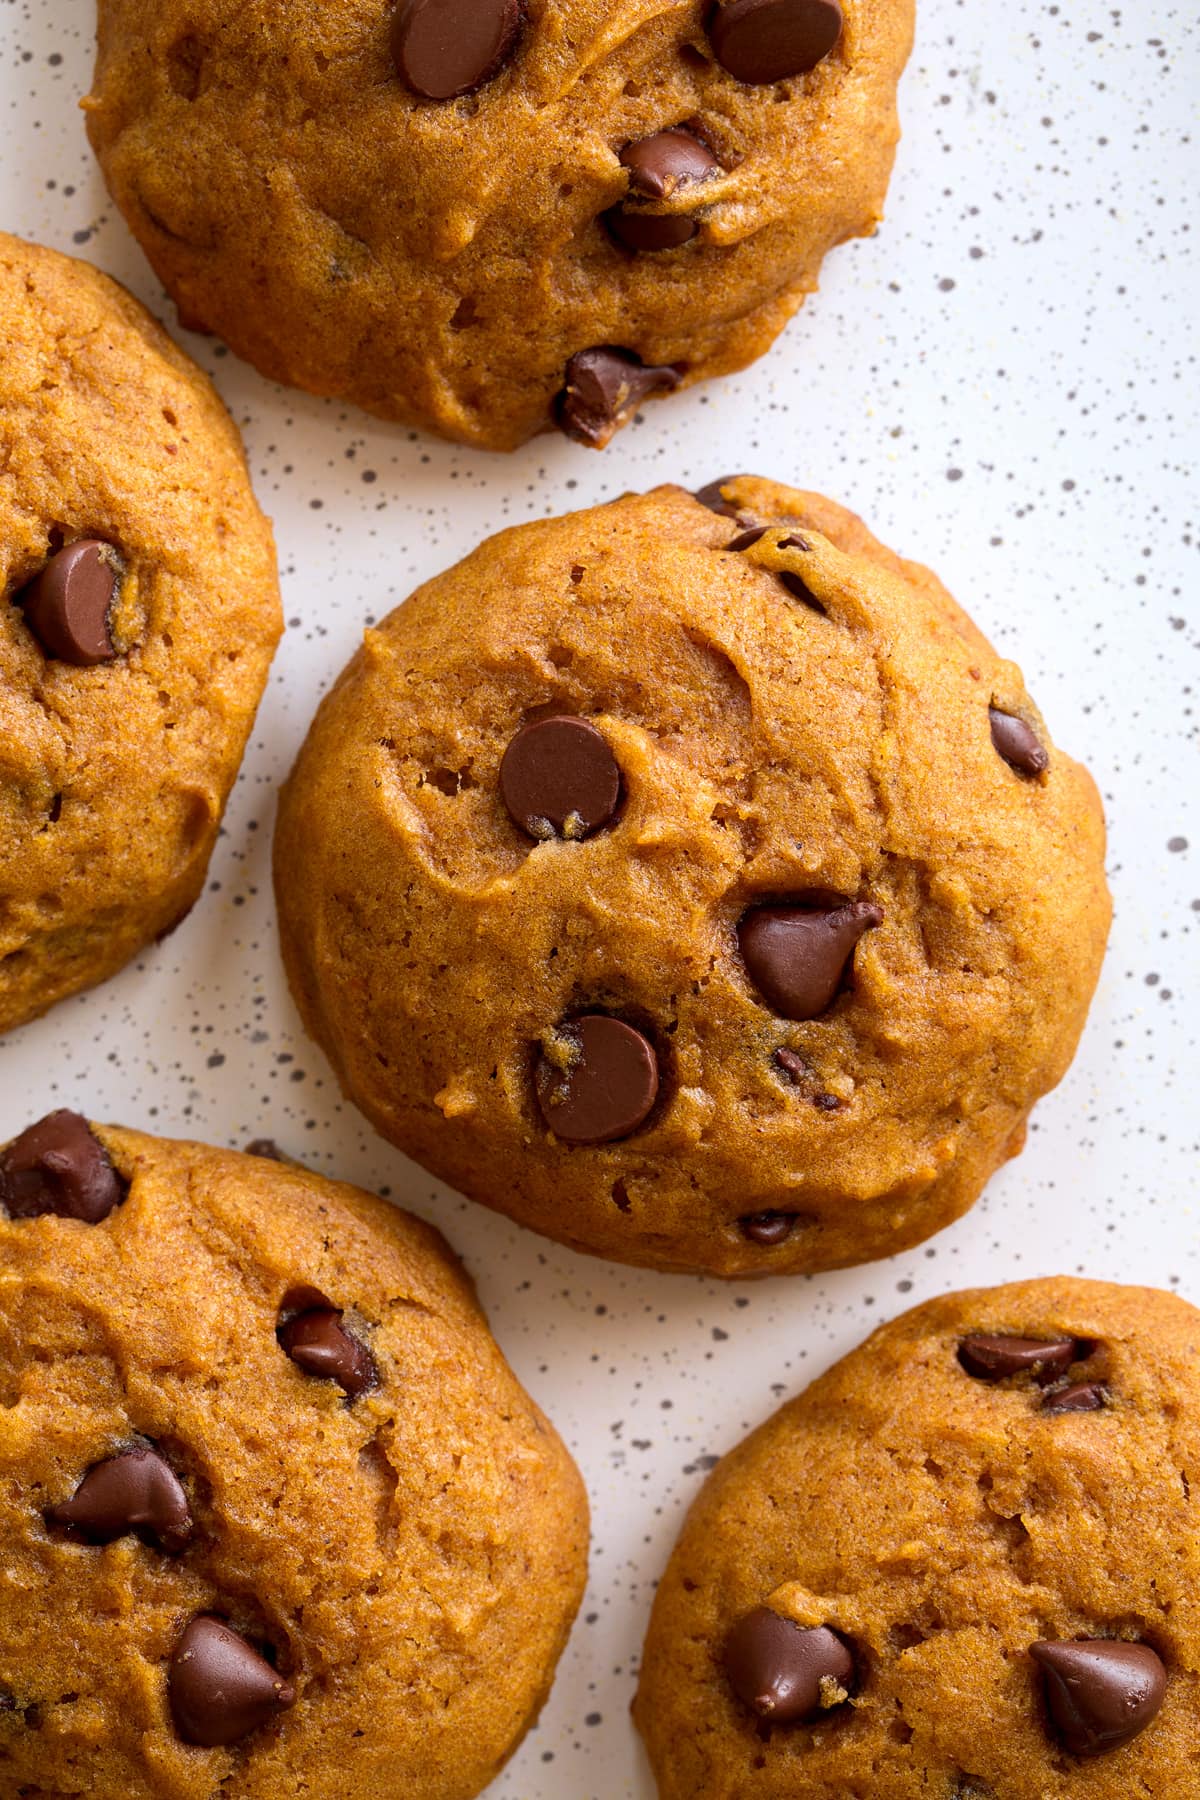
(486, 217)
(940, 1574)
(139, 609)
(276, 1518)
(691, 880)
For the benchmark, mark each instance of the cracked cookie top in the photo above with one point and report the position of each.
(275, 1516)
(691, 880)
(487, 217)
(939, 1575)
(139, 609)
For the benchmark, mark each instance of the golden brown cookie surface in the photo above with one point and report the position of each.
(139, 612)
(276, 1517)
(937, 1516)
(313, 183)
(786, 1001)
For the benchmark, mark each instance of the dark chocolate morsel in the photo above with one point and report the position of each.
(603, 386)
(711, 496)
(658, 167)
(797, 956)
(993, 1358)
(669, 160)
(69, 605)
(265, 1147)
(648, 231)
(318, 1342)
(785, 1672)
(1084, 1396)
(444, 48)
(763, 41)
(1017, 743)
(745, 540)
(134, 1491)
(605, 1085)
(1100, 1692)
(220, 1688)
(59, 1166)
(559, 778)
(768, 1228)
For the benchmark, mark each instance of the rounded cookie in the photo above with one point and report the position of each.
(276, 1518)
(139, 609)
(962, 1566)
(480, 216)
(657, 876)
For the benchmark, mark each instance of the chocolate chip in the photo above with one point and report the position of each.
(559, 778)
(992, 1358)
(646, 231)
(135, 1491)
(785, 1672)
(658, 166)
(318, 1342)
(1100, 1692)
(1085, 1396)
(797, 956)
(761, 41)
(597, 1081)
(603, 386)
(220, 1688)
(265, 1147)
(767, 1228)
(68, 606)
(712, 497)
(669, 160)
(745, 540)
(1017, 743)
(444, 48)
(59, 1166)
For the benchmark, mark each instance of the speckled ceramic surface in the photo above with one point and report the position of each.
(1003, 383)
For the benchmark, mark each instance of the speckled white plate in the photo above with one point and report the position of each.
(1004, 383)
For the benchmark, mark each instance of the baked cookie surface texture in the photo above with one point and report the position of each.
(480, 216)
(696, 886)
(139, 609)
(964, 1565)
(276, 1518)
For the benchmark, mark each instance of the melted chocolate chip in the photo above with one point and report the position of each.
(646, 231)
(69, 605)
(59, 1166)
(604, 1084)
(745, 540)
(711, 496)
(134, 1491)
(559, 778)
(762, 41)
(767, 1228)
(797, 956)
(444, 48)
(220, 1688)
(1100, 1692)
(318, 1342)
(1084, 1396)
(603, 386)
(993, 1358)
(1017, 743)
(785, 1672)
(658, 167)
(667, 161)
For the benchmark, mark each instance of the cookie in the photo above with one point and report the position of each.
(275, 1516)
(963, 1565)
(696, 886)
(139, 609)
(484, 217)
